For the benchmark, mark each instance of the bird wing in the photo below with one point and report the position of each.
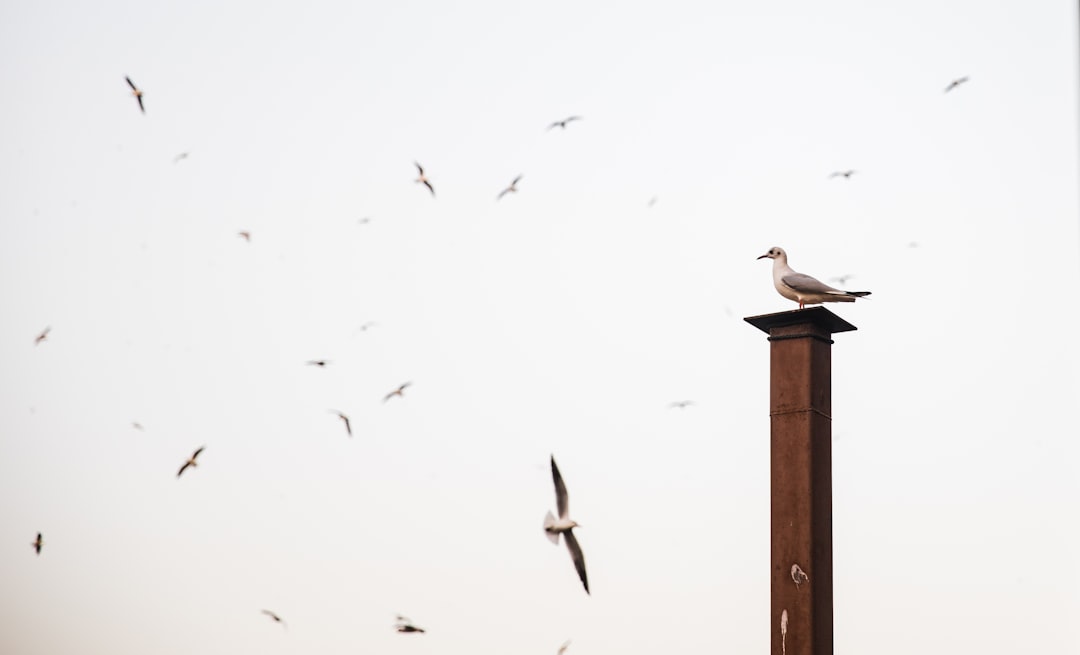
(348, 427)
(806, 284)
(502, 193)
(516, 180)
(577, 556)
(183, 468)
(196, 453)
(562, 503)
(131, 84)
(430, 188)
(141, 108)
(419, 167)
(572, 118)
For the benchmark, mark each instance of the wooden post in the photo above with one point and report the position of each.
(800, 411)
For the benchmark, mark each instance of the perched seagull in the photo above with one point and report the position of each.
(399, 392)
(245, 235)
(423, 179)
(563, 525)
(563, 122)
(277, 619)
(510, 189)
(180, 157)
(844, 174)
(41, 337)
(680, 404)
(405, 625)
(317, 362)
(955, 83)
(37, 544)
(798, 576)
(341, 415)
(191, 461)
(562, 649)
(804, 289)
(135, 91)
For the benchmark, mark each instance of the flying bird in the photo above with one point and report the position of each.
(510, 189)
(277, 619)
(138, 426)
(564, 525)
(180, 157)
(423, 179)
(317, 362)
(405, 625)
(245, 235)
(841, 279)
(804, 289)
(652, 202)
(190, 462)
(955, 83)
(562, 649)
(680, 404)
(366, 326)
(563, 122)
(844, 174)
(345, 419)
(798, 576)
(399, 392)
(137, 92)
(42, 336)
(37, 544)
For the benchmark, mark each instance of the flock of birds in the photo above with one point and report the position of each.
(800, 288)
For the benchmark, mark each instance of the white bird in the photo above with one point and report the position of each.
(277, 619)
(423, 179)
(798, 576)
(405, 625)
(564, 525)
(562, 649)
(190, 462)
(955, 83)
(804, 289)
(399, 392)
(510, 189)
(42, 336)
(680, 404)
(844, 174)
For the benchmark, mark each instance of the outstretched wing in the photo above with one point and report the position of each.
(562, 502)
(578, 557)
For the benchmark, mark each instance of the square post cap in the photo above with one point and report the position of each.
(816, 316)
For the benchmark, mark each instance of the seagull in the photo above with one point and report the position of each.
(681, 404)
(138, 426)
(245, 235)
(179, 157)
(317, 362)
(955, 83)
(341, 415)
(844, 174)
(563, 122)
(405, 625)
(366, 326)
(563, 525)
(562, 649)
(423, 179)
(510, 189)
(37, 544)
(804, 289)
(798, 576)
(135, 91)
(652, 202)
(191, 461)
(277, 619)
(41, 337)
(399, 392)
(363, 221)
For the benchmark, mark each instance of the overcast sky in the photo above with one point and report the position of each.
(561, 319)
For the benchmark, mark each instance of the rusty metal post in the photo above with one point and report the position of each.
(800, 411)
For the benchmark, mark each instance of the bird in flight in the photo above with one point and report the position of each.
(276, 618)
(245, 235)
(510, 189)
(366, 326)
(42, 336)
(652, 202)
(804, 289)
(37, 544)
(798, 576)
(955, 83)
(137, 92)
(841, 279)
(345, 419)
(563, 122)
(844, 174)
(180, 157)
(423, 179)
(399, 392)
(564, 525)
(317, 362)
(562, 649)
(403, 624)
(138, 426)
(680, 404)
(190, 462)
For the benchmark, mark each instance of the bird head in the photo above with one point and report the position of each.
(775, 253)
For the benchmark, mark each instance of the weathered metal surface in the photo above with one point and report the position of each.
(800, 409)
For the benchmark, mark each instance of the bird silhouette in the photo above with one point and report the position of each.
(137, 92)
(955, 83)
(510, 189)
(564, 525)
(190, 462)
(423, 179)
(563, 122)
(399, 392)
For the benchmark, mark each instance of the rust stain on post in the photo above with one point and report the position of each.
(800, 409)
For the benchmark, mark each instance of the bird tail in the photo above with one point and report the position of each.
(549, 521)
(858, 294)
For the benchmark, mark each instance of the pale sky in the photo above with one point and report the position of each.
(562, 319)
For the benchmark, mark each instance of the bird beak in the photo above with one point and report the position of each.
(764, 256)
